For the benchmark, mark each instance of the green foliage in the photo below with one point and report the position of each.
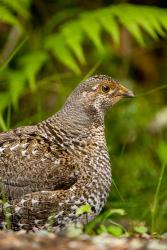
(31, 65)
(6, 209)
(84, 209)
(16, 81)
(9, 8)
(19, 6)
(141, 229)
(104, 224)
(66, 44)
(61, 52)
(7, 17)
(162, 149)
(91, 24)
(163, 157)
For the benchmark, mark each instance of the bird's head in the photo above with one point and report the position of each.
(98, 93)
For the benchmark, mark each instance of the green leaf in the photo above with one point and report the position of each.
(84, 209)
(73, 36)
(7, 17)
(102, 218)
(56, 44)
(17, 5)
(141, 229)
(110, 25)
(128, 21)
(162, 18)
(102, 229)
(17, 82)
(68, 42)
(31, 64)
(110, 212)
(151, 21)
(4, 103)
(4, 100)
(92, 29)
(114, 230)
(13, 53)
(118, 211)
(3, 125)
(162, 152)
(89, 25)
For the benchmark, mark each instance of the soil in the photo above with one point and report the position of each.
(50, 241)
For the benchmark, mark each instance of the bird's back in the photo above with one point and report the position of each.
(30, 162)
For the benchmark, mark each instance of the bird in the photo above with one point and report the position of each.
(50, 170)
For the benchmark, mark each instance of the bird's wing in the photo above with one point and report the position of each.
(30, 162)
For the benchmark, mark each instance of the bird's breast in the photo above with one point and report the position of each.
(94, 173)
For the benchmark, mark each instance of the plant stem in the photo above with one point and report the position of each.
(2, 123)
(14, 52)
(155, 202)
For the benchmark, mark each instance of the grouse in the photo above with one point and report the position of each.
(51, 169)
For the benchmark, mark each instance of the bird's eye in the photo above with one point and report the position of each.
(105, 88)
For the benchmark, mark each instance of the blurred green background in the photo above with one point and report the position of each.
(47, 47)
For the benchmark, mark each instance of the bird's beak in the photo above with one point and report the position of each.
(124, 92)
(128, 94)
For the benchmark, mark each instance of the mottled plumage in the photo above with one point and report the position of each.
(52, 168)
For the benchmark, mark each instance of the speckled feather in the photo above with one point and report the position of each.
(50, 169)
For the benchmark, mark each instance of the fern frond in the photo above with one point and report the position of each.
(142, 16)
(67, 44)
(9, 9)
(90, 25)
(111, 26)
(92, 29)
(7, 16)
(19, 6)
(73, 36)
(31, 64)
(4, 100)
(16, 83)
(57, 45)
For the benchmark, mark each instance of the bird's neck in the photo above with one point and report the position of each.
(75, 121)
(80, 115)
